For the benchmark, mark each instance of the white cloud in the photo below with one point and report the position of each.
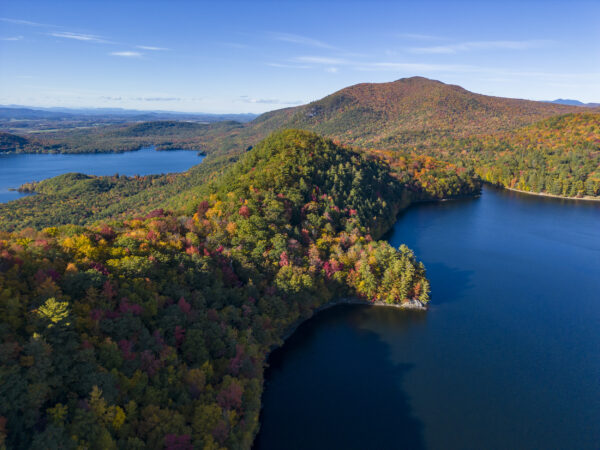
(302, 40)
(320, 60)
(12, 38)
(480, 45)
(127, 54)
(332, 70)
(151, 48)
(79, 37)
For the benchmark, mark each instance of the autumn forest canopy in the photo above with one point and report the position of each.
(138, 312)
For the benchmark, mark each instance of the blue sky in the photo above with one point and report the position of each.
(258, 56)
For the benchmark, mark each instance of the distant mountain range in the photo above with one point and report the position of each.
(567, 101)
(18, 112)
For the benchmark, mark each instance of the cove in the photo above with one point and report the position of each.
(506, 357)
(17, 169)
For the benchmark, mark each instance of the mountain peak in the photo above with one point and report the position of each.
(417, 79)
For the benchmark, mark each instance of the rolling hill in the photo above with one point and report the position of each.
(11, 142)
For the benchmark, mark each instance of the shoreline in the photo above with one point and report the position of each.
(412, 305)
(544, 194)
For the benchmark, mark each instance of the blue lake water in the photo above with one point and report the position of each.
(17, 169)
(508, 356)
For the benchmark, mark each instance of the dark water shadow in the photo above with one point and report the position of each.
(434, 205)
(448, 284)
(334, 385)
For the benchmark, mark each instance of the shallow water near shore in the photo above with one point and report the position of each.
(506, 357)
(17, 169)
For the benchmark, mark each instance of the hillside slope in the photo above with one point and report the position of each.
(558, 156)
(153, 332)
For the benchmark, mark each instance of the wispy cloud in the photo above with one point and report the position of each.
(268, 101)
(301, 40)
(80, 37)
(25, 22)
(12, 38)
(382, 66)
(289, 66)
(320, 60)
(413, 67)
(480, 45)
(158, 99)
(127, 54)
(141, 99)
(151, 48)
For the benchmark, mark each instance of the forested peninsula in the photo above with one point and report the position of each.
(152, 331)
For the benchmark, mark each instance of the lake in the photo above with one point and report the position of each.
(508, 356)
(17, 169)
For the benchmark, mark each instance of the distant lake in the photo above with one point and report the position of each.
(17, 169)
(507, 357)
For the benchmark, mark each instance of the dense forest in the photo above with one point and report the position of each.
(153, 331)
(559, 156)
(83, 199)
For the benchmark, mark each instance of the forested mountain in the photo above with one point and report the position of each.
(407, 111)
(533, 146)
(153, 332)
(405, 114)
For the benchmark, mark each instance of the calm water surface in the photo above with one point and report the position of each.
(17, 169)
(507, 357)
